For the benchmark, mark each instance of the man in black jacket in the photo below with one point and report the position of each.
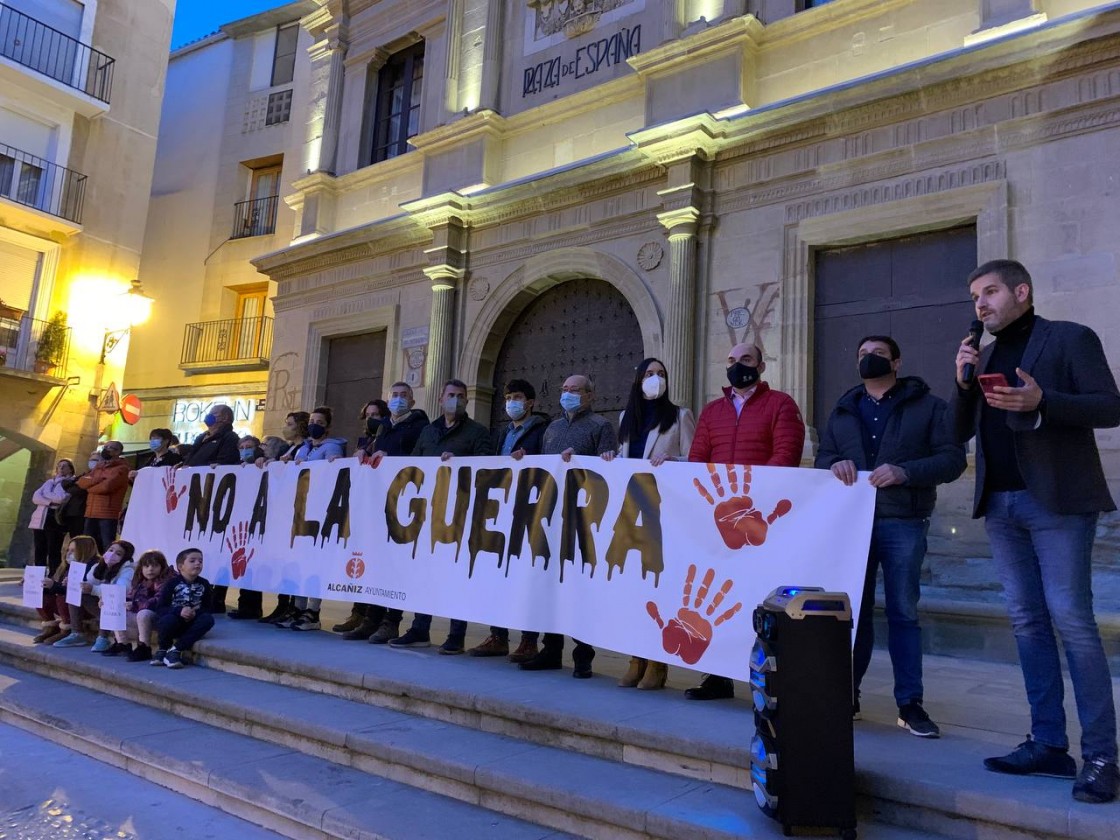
(896, 429)
(522, 435)
(1040, 487)
(451, 434)
(218, 447)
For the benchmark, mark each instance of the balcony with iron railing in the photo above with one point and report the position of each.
(254, 218)
(33, 44)
(227, 345)
(28, 345)
(40, 184)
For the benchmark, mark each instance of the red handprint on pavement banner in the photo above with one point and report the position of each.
(236, 542)
(689, 634)
(171, 499)
(736, 518)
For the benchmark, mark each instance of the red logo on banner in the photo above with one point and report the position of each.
(130, 408)
(355, 566)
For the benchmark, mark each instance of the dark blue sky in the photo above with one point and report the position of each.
(197, 18)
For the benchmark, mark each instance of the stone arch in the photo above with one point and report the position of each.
(509, 299)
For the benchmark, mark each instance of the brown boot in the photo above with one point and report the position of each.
(654, 677)
(493, 646)
(525, 651)
(634, 673)
(357, 619)
(50, 628)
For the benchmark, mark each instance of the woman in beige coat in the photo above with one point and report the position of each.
(652, 427)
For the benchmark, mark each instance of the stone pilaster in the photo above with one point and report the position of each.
(491, 57)
(332, 115)
(680, 312)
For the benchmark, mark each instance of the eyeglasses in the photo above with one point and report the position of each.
(572, 390)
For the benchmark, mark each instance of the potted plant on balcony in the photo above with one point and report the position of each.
(52, 344)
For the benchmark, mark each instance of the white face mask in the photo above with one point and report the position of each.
(452, 405)
(653, 386)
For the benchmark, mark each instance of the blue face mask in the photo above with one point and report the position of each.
(155, 443)
(210, 419)
(246, 455)
(570, 402)
(398, 405)
(515, 409)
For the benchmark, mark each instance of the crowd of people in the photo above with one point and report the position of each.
(1031, 398)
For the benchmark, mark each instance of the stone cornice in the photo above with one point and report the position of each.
(669, 142)
(742, 33)
(484, 124)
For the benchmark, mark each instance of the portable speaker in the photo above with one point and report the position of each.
(802, 759)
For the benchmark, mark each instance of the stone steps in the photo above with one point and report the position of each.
(333, 737)
(937, 788)
(285, 791)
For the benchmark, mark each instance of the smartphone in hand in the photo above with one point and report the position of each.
(989, 381)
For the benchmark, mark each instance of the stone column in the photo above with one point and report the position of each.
(441, 332)
(680, 313)
(332, 115)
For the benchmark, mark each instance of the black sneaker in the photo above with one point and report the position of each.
(914, 718)
(157, 657)
(386, 632)
(173, 659)
(117, 649)
(142, 653)
(1031, 758)
(452, 646)
(413, 638)
(282, 611)
(1098, 781)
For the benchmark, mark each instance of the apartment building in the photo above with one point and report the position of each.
(80, 90)
(233, 129)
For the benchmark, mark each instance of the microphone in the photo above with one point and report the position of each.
(968, 372)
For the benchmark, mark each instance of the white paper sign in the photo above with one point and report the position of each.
(112, 607)
(33, 586)
(74, 584)
(664, 563)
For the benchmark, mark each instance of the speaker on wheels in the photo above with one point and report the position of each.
(802, 757)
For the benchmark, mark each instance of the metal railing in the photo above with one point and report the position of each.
(28, 344)
(55, 54)
(35, 182)
(254, 218)
(232, 341)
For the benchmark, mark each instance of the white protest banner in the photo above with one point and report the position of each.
(33, 585)
(74, 584)
(112, 607)
(665, 563)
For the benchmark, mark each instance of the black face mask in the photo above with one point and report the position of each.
(872, 366)
(373, 424)
(742, 376)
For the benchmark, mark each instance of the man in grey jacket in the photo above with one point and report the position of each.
(1040, 487)
(894, 428)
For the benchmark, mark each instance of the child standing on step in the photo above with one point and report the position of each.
(81, 554)
(143, 599)
(184, 610)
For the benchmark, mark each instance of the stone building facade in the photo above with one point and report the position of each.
(80, 86)
(535, 188)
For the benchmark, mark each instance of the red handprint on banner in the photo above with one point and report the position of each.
(736, 518)
(689, 634)
(236, 542)
(171, 498)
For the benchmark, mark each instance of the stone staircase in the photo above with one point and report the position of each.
(310, 736)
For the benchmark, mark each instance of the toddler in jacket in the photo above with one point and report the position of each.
(143, 599)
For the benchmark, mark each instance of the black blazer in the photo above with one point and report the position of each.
(1058, 460)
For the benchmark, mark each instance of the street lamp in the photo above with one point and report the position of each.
(135, 306)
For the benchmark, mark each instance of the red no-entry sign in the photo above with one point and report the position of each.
(130, 408)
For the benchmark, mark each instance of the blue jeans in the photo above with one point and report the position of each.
(1044, 562)
(422, 623)
(103, 531)
(898, 546)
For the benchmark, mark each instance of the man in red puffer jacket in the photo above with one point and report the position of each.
(751, 425)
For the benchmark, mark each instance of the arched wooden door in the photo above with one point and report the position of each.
(580, 326)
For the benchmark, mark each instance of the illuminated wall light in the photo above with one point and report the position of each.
(707, 9)
(470, 88)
